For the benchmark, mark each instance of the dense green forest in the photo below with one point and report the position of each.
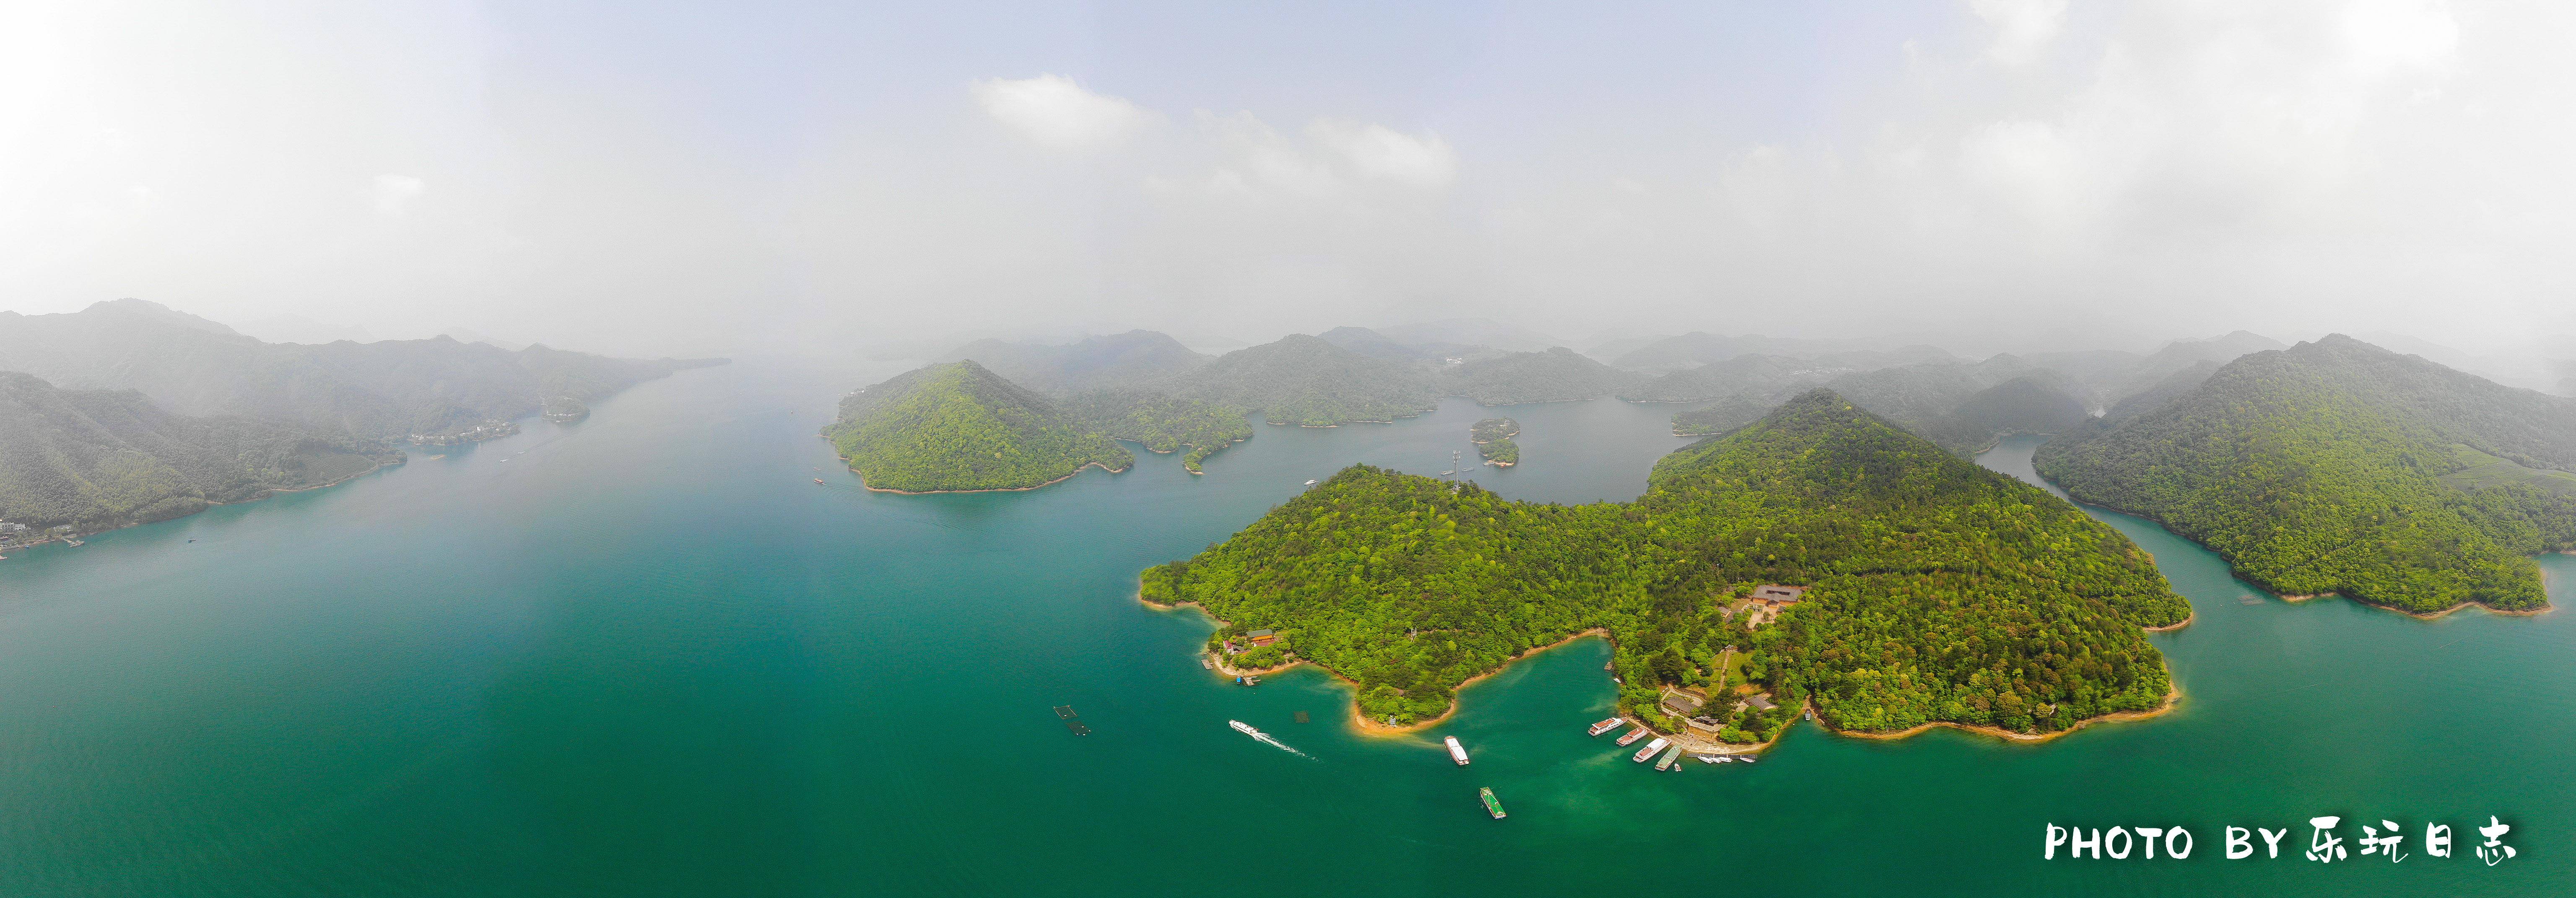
(1162, 423)
(956, 426)
(1493, 439)
(2335, 466)
(1940, 591)
(1557, 375)
(97, 459)
(387, 390)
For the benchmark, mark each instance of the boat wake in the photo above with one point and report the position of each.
(1264, 738)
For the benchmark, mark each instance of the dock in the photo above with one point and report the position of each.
(1065, 713)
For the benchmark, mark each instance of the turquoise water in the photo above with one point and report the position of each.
(647, 655)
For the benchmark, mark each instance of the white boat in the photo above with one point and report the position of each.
(1457, 752)
(1310, 483)
(1650, 749)
(1244, 728)
(1745, 760)
(1604, 726)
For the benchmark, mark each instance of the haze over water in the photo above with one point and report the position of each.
(646, 654)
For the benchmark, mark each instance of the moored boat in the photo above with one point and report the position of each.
(1672, 758)
(1633, 735)
(1493, 805)
(1604, 726)
(1650, 750)
(1457, 752)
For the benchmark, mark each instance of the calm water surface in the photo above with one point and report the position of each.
(646, 654)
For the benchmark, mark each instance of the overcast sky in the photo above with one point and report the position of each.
(831, 175)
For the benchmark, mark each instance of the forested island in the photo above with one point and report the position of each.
(956, 427)
(1937, 591)
(2340, 467)
(1493, 439)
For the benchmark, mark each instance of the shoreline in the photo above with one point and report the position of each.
(2185, 622)
(1691, 742)
(400, 458)
(2173, 700)
(2295, 598)
(863, 481)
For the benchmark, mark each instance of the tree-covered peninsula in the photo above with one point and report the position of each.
(92, 460)
(2340, 467)
(957, 427)
(1493, 439)
(1939, 592)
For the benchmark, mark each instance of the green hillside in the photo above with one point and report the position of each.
(97, 459)
(1160, 422)
(956, 426)
(1940, 591)
(2335, 466)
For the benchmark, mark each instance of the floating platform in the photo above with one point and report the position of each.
(1064, 711)
(1077, 728)
(1301, 717)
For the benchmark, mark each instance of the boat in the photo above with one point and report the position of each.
(1672, 758)
(74, 542)
(1457, 752)
(1634, 735)
(1745, 760)
(1604, 726)
(1245, 728)
(1247, 681)
(819, 482)
(1310, 483)
(1493, 805)
(1650, 749)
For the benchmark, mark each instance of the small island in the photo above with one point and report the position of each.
(1493, 439)
(957, 427)
(1820, 559)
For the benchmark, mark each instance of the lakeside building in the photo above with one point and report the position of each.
(1262, 637)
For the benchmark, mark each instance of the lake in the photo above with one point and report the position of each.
(646, 654)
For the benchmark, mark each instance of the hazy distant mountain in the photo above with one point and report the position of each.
(1961, 406)
(1132, 359)
(97, 459)
(1557, 375)
(2181, 354)
(1469, 332)
(1700, 348)
(383, 390)
(1375, 345)
(1302, 379)
(1755, 375)
(299, 329)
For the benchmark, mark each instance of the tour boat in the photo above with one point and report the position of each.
(1672, 758)
(1604, 727)
(1457, 752)
(1244, 728)
(1650, 750)
(1633, 735)
(1493, 805)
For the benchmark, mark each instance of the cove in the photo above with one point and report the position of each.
(647, 655)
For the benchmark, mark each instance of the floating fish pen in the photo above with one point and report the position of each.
(1065, 713)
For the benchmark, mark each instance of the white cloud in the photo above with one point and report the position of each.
(393, 194)
(1058, 114)
(2023, 28)
(1377, 151)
